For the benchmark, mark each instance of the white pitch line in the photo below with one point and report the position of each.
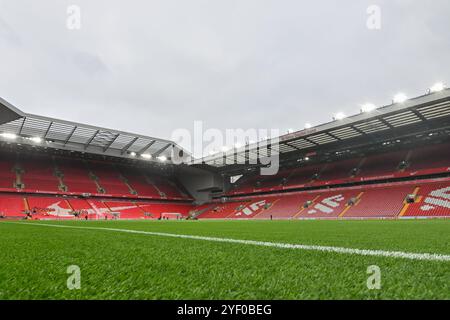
(341, 250)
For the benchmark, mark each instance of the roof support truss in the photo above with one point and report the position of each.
(157, 153)
(146, 147)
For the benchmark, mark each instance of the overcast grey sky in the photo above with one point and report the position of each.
(150, 67)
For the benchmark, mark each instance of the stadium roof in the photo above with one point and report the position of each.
(425, 109)
(72, 136)
(32, 129)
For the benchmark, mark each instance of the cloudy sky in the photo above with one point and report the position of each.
(151, 67)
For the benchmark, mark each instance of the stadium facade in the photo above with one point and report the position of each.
(389, 162)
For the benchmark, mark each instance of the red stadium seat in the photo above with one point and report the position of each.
(432, 200)
(12, 206)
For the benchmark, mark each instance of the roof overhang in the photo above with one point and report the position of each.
(77, 137)
(388, 120)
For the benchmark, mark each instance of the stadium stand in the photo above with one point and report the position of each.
(381, 165)
(75, 177)
(282, 207)
(431, 200)
(330, 204)
(141, 185)
(383, 202)
(394, 163)
(372, 167)
(108, 179)
(430, 157)
(49, 207)
(378, 201)
(38, 176)
(7, 175)
(12, 206)
(43, 187)
(71, 177)
(80, 205)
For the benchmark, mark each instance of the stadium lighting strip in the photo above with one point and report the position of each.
(13, 136)
(398, 98)
(9, 136)
(368, 107)
(39, 140)
(110, 139)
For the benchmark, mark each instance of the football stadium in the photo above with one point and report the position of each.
(224, 158)
(149, 221)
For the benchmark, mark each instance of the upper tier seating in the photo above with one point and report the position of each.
(109, 179)
(7, 175)
(168, 188)
(382, 164)
(76, 177)
(45, 175)
(414, 162)
(39, 175)
(304, 175)
(339, 170)
(141, 185)
(268, 182)
(436, 156)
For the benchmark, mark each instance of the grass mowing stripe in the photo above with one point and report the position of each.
(341, 250)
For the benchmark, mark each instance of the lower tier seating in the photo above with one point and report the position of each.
(383, 202)
(47, 207)
(430, 201)
(12, 206)
(330, 204)
(380, 201)
(403, 200)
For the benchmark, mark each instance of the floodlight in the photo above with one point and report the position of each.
(368, 107)
(400, 98)
(10, 136)
(437, 87)
(36, 139)
(339, 116)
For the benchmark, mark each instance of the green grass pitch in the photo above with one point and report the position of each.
(118, 265)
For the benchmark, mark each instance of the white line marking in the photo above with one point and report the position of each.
(342, 250)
